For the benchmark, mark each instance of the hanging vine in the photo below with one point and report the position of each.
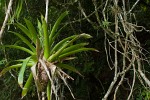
(119, 25)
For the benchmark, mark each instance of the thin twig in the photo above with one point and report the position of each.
(106, 51)
(64, 80)
(133, 6)
(142, 74)
(46, 13)
(6, 19)
(104, 10)
(132, 83)
(111, 87)
(84, 14)
(96, 12)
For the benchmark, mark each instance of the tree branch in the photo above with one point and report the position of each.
(46, 13)
(6, 19)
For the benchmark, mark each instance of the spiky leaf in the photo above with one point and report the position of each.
(21, 72)
(20, 48)
(46, 39)
(32, 30)
(24, 40)
(55, 27)
(27, 85)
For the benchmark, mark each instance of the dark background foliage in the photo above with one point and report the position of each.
(92, 65)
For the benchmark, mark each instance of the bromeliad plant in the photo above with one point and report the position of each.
(46, 57)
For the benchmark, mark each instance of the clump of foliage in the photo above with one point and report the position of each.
(45, 57)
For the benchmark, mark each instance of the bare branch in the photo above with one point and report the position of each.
(6, 18)
(111, 87)
(142, 74)
(46, 13)
(133, 6)
(123, 41)
(132, 83)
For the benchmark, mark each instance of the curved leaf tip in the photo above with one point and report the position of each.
(85, 35)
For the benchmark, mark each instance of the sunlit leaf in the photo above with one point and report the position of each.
(27, 85)
(21, 72)
(19, 8)
(25, 41)
(61, 43)
(13, 67)
(45, 39)
(86, 36)
(76, 51)
(55, 55)
(20, 48)
(24, 30)
(48, 91)
(32, 30)
(56, 25)
(74, 47)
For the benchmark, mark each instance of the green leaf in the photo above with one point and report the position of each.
(74, 47)
(46, 39)
(24, 30)
(55, 55)
(33, 59)
(19, 8)
(13, 67)
(68, 67)
(19, 47)
(27, 85)
(61, 43)
(32, 30)
(24, 40)
(86, 36)
(76, 51)
(106, 23)
(21, 72)
(49, 91)
(40, 30)
(56, 25)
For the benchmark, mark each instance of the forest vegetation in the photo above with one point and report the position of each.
(74, 49)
